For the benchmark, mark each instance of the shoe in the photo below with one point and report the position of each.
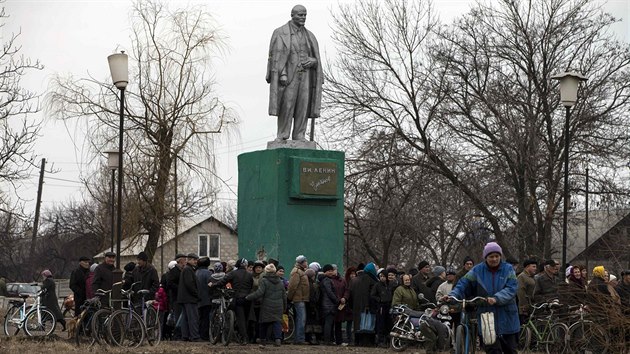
(277, 343)
(344, 344)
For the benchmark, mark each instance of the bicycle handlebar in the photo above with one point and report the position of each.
(474, 299)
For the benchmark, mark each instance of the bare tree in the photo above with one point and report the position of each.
(17, 133)
(476, 102)
(172, 113)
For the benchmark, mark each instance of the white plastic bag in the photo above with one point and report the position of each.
(487, 328)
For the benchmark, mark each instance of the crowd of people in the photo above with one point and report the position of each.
(325, 302)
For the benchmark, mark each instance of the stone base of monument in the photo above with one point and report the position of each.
(290, 202)
(291, 144)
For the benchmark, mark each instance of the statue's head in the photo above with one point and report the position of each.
(298, 15)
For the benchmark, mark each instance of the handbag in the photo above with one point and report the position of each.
(368, 322)
(488, 333)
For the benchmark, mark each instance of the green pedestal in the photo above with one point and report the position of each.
(290, 202)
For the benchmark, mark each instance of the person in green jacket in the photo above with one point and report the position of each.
(273, 300)
(404, 294)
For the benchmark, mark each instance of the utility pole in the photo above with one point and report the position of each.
(176, 208)
(37, 206)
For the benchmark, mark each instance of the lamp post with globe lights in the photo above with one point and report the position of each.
(112, 163)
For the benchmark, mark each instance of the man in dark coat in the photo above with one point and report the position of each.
(242, 283)
(147, 275)
(418, 282)
(172, 284)
(273, 304)
(188, 297)
(546, 287)
(203, 278)
(77, 283)
(360, 290)
(329, 302)
(623, 289)
(103, 277)
(439, 276)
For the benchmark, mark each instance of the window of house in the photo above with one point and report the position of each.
(209, 246)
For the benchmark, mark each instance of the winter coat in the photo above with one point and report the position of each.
(432, 286)
(329, 300)
(546, 288)
(360, 289)
(203, 277)
(187, 292)
(623, 290)
(161, 300)
(89, 286)
(214, 291)
(103, 277)
(405, 295)
(502, 285)
(443, 290)
(382, 293)
(272, 296)
(77, 284)
(49, 298)
(241, 280)
(148, 278)
(526, 284)
(340, 286)
(298, 290)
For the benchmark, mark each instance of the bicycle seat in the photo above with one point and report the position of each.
(25, 295)
(143, 292)
(413, 313)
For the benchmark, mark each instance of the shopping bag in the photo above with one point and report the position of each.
(368, 322)
(285, 323)
(488, 333)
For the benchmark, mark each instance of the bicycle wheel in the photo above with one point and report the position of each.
(524, 339)
(216, 327)
(460, 340)
(12, 321)
(228, 327)
(97, 326)
(556, 341)
(39, 323)
(82, 332)
(587, 336)
(152, 324)
(125, 329)
(291, 331)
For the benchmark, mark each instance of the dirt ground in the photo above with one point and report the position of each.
(55, 344)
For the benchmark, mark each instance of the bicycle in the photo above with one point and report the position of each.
(466, 332)
(86, 331)
(99, 318)
(222, 321)
(150, 319)
(546, 331)
(125, 327)
(587, 336)
(35, 319)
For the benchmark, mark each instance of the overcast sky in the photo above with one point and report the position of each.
(75, 37)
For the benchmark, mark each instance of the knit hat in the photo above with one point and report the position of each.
(437, 270)
(309, 272)
(129, 267)
(279, 267)
(241, 263)
(491, 247)
(218, 267)
(143, 256)
(270, 268)
(467, 259)
(84, 258)
(259, 263)
(451, 270)
(47, 273)
(93, 267)
(172, 264)
(528, 262)
(568, 271)
(612, 277)
(315, 266)
(327, 267)
(422, 264)
(300, 259)
(391, 270)
(370, 269)
(379, 271)
(599, 272)
(203, 262)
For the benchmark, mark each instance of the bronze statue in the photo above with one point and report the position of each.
(294, 72)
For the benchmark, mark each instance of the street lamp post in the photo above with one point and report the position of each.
(119, 69)
(569, 83)
(112, 163)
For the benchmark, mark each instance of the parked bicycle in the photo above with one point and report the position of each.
(150, 318)
(222, 321)
(35, 319)
(466, 332)
(87, 332)
(587, 336)
(125, 328)
(544, 331)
